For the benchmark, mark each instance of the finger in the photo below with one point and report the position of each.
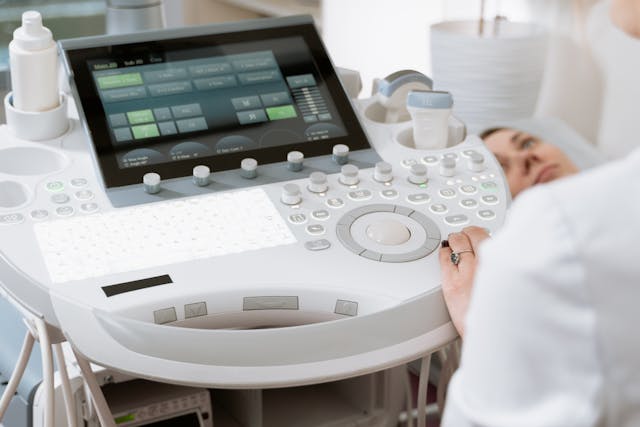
(459, 242)
(444, 256)
(476, 236)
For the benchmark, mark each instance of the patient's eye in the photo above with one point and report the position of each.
(527, 143)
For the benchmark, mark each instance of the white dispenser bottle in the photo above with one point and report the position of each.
(33, 58)
(430, 111)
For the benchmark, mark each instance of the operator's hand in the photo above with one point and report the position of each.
(457, 280)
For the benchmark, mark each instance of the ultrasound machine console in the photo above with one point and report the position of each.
(219, 213)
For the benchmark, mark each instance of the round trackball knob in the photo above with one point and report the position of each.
(318, 182)
(383, 172)
(349, 175)
(151, 182)
(291, 194)
(447, 167)
(201, 175)
(418, 174)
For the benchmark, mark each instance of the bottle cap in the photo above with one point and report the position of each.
(32, 35)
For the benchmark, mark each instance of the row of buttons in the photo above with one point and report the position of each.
(432, 160)
(42, 214)
(56, 186)
(61, 198)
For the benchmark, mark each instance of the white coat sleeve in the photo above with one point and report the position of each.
(530, 356)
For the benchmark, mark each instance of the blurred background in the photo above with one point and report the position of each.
(582, 84)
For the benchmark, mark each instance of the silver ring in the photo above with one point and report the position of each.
(455, 256)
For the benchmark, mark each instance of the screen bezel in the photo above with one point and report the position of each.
(114, 176)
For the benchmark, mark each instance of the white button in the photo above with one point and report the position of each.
(201, 175)
(321, 215)
(383, 172)
(438, 208)
(468, 203)
(88, 207)
(60, 198)
(359, 195)
(10, 219)
(315, 229)
(388, 232)
(151, 182)
(448, 193)
(486, 214)
(248, 168)
(297, 218)
(335, 203)
(418, 198)
(64, 211)
(291, 194)
(84, 195)
(349, 175)
(389, 194)
(39, 214)
(318, 182)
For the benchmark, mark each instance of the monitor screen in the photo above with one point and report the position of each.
(169, 105)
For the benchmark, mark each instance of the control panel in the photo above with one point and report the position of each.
(246, 263)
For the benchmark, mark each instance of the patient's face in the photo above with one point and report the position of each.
(527, 160)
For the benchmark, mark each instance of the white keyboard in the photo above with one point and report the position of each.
(160, 233)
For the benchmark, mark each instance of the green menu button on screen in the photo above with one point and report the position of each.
(145, 131)
(279, 113)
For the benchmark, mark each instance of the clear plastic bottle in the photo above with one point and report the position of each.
(33, 58)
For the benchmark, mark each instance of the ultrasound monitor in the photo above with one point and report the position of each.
(180, 99)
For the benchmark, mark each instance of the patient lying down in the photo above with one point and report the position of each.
(526, 161)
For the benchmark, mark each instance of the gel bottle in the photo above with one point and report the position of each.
(33, 58)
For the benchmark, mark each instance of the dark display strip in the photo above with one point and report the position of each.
(135, 285)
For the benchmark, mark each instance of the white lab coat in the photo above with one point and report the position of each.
(552, 330)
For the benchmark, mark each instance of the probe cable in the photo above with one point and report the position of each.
(12, 386)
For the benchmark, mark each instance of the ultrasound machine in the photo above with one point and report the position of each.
(219, 213)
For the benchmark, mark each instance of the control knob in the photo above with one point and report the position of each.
(294, 161)
(418, 174)
(476, 162)
(340, 154)
(448, 167)
(318, 182)
(201, 175)
(248, 168)
(151, 182)
(291, 194)
(383, 172)
(349, 175)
